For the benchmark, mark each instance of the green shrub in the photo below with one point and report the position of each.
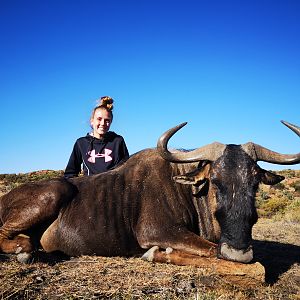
(279, 186)
(9, 179)
(273, 206)
(292, 212)
(296, 186)
(289, 195)
(287, 173)
(263, 195)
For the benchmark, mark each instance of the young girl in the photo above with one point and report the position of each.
(100, 150)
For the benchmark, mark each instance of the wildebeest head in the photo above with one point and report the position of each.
(233, 177)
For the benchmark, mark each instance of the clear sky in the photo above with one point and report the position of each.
(231, 69)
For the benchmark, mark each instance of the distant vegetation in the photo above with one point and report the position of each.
(10, 181)
(280, 201)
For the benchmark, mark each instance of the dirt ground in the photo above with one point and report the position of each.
(276, 246)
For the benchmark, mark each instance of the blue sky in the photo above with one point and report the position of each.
(231, 69)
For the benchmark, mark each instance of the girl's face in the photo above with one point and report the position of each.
(100, 122)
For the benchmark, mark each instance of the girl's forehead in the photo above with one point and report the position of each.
(102, 113)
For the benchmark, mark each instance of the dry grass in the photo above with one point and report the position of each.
(276, 247)
(90, 277)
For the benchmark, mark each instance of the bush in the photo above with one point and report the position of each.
(287, 173)
(289, 195)
(292, 212)
(273, 206)
(296, 186)
(262, 195)
(17, 179)
(279, 186)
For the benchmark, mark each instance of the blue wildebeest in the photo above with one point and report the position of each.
(199, 202)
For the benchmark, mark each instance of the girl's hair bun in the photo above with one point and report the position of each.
(106, 102)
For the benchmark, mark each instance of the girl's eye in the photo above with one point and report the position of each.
(105, 120)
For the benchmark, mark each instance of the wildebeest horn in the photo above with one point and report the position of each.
(208, 152)
(259, 153)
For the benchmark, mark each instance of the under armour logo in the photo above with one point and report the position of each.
(93, 155)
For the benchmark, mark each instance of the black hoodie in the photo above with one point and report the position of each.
(96, 155)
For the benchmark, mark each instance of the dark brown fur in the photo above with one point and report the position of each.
(134, 207)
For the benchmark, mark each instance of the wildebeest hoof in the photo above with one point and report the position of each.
(24, 257)
(149, 255)
(169, 250)
(18, 250)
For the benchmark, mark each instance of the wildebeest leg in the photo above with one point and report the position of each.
(48, 238)
(172, 256)
(183, 240)
(189, 242)
(10, 242)
(29, 208)
(237, 273)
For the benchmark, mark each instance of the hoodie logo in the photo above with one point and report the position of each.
(93, 155)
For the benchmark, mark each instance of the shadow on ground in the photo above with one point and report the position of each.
(39, 256)
(277, 258)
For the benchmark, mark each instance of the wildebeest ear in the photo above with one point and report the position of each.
(270, 178)
(195, 177)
